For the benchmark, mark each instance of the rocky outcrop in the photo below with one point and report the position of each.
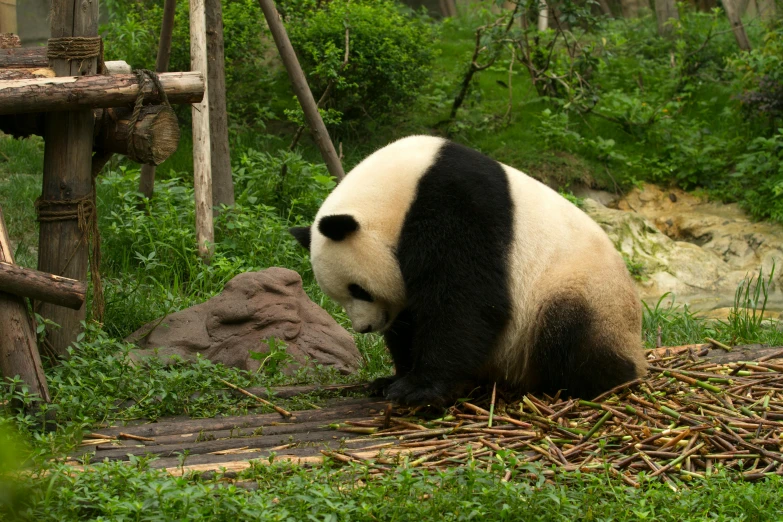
(696, 249)
(252, 308)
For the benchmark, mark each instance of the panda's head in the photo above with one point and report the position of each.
(355, 264)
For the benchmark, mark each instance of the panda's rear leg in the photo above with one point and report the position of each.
(584, 350)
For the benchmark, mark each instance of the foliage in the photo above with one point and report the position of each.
(388, 61)
(758, 180)
(134, 28)
(281, 491)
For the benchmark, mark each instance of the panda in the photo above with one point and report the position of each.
(474, 273)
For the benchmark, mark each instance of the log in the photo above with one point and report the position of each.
(301, 89)
(8, 40)
(67, 171)
(82, 92)
(202, 164)
(147, 178)
(222, 182)
(155, 135)
(26, 73)
(26, 282)
(18, 350)
(24, 57)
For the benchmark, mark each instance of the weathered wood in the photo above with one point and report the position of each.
(8, 16)
(81, 92)
(222, 182)
(202, 164)
(18, 350)
(26, 73)
(733, 14)
(26, 282)
(302, 90)
(67, 173)
(147, 179)
(155, 135)
(24, 57)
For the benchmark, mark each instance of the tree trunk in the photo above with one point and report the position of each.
(543, 16)
(87, 92)
(222, 182)
(665, 10)
(147, 180)
(630, 8)
(67, 173)
(767, 9)
(302, 90)
(732, 12)
(202, 164)
(18, 351)
(40, 286)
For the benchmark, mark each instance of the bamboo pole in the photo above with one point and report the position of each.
(67, 173)
(202, 164)
(302, 90)
(147, 180)
(18, 351)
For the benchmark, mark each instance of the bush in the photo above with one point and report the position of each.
(389, 54)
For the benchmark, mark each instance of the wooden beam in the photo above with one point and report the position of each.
(26, 282)
(202, 164)
(301, 89)
(23, 57)
(26, 73)
(222, 182)
(18, 350)
(86, 92)
(147, 179)
(67, 173)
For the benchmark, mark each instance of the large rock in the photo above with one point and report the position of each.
(697, 250)
(252, 308)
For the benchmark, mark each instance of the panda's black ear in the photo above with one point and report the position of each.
(302, 234)
(338, 227)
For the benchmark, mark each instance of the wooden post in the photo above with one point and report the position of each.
(202, 165)
(18, 351)
(147, 180)
(8, 16)
(733, 14)
(222, 182)
(67, 173)
(301, 89)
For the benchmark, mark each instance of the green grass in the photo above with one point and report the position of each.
(284, 492)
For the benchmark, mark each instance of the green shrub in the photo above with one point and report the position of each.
(389, 54)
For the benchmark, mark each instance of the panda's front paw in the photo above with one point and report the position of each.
(411, 391)
(378, 387)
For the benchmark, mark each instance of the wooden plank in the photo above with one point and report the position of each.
(18, 349)
(334, 410)
(202, 163)
(222, 182)
(84, 92)
(67, 172)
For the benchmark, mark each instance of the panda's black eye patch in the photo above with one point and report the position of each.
(357, 292)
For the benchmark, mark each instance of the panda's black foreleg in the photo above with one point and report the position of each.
(399, 341)
(449, 352)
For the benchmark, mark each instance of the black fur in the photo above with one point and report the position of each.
(453, 254)
(302, 234)
(570, 353)
(337, 227)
